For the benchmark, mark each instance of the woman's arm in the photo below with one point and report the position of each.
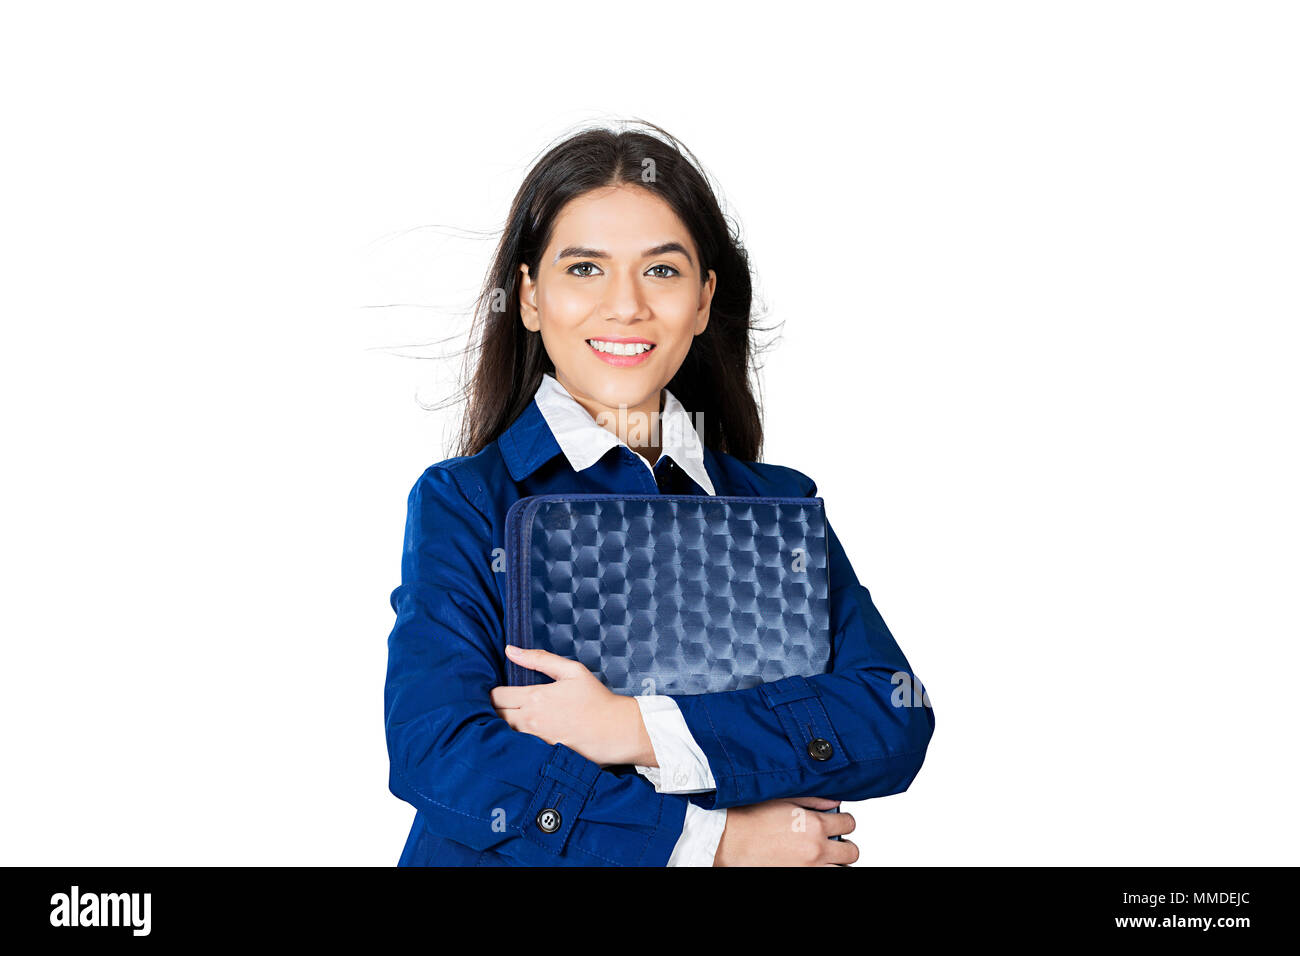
(859, 731)
(476, 780)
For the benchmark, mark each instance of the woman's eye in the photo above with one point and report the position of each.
(669, 268)
(580, 265)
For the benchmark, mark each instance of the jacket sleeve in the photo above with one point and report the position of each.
(476, 780)
(858, 731)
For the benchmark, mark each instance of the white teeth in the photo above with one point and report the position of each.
(619, 348)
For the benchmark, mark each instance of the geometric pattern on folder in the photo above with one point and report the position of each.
(670, 594)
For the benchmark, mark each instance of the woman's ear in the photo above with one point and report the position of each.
(528, 300)
(706, 299)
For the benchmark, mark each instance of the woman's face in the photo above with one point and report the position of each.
(620, 268)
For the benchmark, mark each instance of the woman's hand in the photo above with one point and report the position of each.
(577, 711)
(783, 833)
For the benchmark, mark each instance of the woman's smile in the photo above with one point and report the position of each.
(621, 352)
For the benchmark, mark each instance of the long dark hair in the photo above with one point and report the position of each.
(714, 380)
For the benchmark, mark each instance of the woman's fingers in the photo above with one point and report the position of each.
(840, 823)
(508, 698)
(841, 852)
(815, 803)
(552, 665)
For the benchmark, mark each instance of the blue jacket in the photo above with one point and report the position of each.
(478, 786)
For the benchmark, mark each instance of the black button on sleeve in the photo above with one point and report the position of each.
(819, 748)
(549, 820)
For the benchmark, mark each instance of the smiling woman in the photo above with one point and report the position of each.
(627, 300)
(616, 236)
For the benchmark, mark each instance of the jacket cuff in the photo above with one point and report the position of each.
(803, 717)
(566, 784)
(555, 811)
(789, 710)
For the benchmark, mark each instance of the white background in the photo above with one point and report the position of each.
(1037, 269)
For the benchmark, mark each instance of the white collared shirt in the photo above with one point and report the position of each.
(584, 440)
(683, 766)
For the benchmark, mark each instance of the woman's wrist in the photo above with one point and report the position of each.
(641, 751)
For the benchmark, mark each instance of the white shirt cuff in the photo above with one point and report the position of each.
(683, 766)
(701, 834)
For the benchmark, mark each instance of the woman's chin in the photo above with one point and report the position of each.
(617, 394)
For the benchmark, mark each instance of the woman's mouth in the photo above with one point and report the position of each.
(621, 354)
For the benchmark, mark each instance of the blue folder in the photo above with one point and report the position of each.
(669, 594)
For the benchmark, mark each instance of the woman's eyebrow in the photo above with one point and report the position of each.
(659, 250)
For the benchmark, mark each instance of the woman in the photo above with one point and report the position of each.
(618, 306)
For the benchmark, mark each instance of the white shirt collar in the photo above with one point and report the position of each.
(584, 440)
